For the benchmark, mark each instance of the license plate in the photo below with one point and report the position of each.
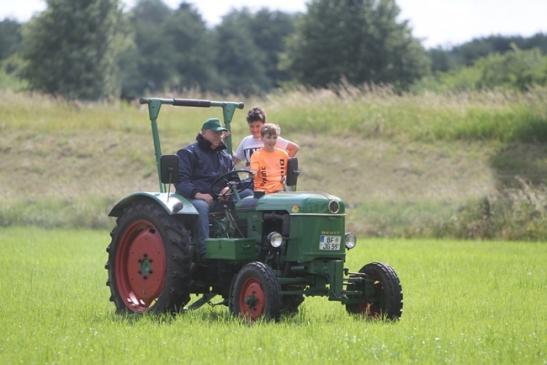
(329, 243)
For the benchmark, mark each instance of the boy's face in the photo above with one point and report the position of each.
(269, 140)
(254, 128)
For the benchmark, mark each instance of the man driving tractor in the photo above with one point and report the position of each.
(200, 164)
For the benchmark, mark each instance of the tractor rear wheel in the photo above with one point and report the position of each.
(387, 298)
(149, 261)
(255, 293)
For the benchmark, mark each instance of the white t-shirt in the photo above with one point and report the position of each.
(250, 144)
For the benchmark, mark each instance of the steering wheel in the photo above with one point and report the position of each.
(231, 180)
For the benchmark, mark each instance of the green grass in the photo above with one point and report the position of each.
(464, 302)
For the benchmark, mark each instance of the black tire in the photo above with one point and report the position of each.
(387, 301)
(255, 293)
(290, 304)
(146, 238)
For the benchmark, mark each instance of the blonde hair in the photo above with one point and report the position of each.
(269, 129)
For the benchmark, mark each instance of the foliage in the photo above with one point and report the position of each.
(10, 59)
(10, 71)
(71, 49)
(172, 49)
(153, 48)
(239, 59)
(10, 38)
(149, 62)
(517, 69)
(357, 41)
(468, 53)
(9, 81)
(252, 43)
(269, 30)
(192, 51)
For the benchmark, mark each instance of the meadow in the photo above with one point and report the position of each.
(469, 165)
(465, 302)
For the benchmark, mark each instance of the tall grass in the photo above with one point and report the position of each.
(377, 113)
(381, 113)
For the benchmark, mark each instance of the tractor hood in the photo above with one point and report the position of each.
(302, 203)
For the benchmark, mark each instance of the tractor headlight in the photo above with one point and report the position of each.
(350, 240)
(274, 239)
(334, 206)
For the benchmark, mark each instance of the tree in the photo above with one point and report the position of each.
(445, 59)
(10, 37)
(516, 69)
(147, 65)
(238, 59)
(360, 41)
(269, 30)
(71, 49)
(10, 61)
(190, 43)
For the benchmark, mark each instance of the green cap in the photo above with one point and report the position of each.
(214, 125)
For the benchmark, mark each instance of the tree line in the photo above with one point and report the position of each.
(93, 49)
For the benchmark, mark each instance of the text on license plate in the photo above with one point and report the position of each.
(329, 243)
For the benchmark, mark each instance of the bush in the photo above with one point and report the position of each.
(515, 70)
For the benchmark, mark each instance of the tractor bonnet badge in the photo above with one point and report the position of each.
(295, 208)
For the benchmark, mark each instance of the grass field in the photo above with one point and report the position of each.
(464, 302)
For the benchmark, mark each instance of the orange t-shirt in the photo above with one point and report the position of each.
(270, 169)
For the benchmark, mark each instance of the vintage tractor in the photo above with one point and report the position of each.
(265, 254)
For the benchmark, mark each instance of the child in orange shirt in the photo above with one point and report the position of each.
(269, 164)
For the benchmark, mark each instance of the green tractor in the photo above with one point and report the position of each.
(264, 255)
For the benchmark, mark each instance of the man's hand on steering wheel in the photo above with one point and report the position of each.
(226, 185)
(225, 194)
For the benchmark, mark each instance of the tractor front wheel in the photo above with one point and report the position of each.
(385, 295)
(148, 261)
(255, 293)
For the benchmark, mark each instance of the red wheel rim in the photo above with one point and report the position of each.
(140, 266)
(252, 299)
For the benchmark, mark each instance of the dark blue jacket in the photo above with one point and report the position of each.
(199, 166)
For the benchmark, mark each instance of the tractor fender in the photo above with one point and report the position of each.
(172, 203)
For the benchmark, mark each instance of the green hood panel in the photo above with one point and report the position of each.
(300, 202)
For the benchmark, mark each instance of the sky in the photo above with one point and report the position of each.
(436, 22)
